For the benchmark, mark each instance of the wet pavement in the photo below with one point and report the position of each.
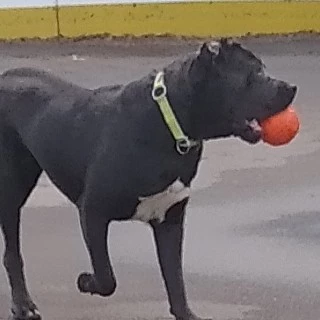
(252, 246)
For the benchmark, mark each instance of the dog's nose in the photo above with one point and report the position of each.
(293, 89)
(288, 89)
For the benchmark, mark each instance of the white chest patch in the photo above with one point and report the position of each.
(156, 206)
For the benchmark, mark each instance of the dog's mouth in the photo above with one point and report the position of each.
(248, 130)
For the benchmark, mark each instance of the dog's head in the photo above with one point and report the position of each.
(233, 92)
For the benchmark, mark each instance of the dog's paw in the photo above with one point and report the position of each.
(192, 317)
(87, 284)
(25, 311)
(189, 315)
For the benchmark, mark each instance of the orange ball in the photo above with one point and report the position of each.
(281, 128)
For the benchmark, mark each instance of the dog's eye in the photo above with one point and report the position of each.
(249, 80)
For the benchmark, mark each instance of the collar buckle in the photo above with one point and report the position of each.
(159, 91)
(183, 146)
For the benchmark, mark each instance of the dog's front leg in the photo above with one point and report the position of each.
(169, 239)
(102, 281)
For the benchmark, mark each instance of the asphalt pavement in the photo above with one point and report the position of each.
(252, 246)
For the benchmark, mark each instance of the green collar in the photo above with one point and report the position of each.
(159, 94)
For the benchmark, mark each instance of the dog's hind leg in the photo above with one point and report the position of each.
(19, 173)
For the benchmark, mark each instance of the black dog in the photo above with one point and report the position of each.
(125, 152)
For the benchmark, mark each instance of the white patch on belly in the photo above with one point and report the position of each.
(156, 206)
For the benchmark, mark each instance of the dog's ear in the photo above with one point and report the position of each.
(208, 51)
(227, 45)
(204, 61)
(226, 42)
